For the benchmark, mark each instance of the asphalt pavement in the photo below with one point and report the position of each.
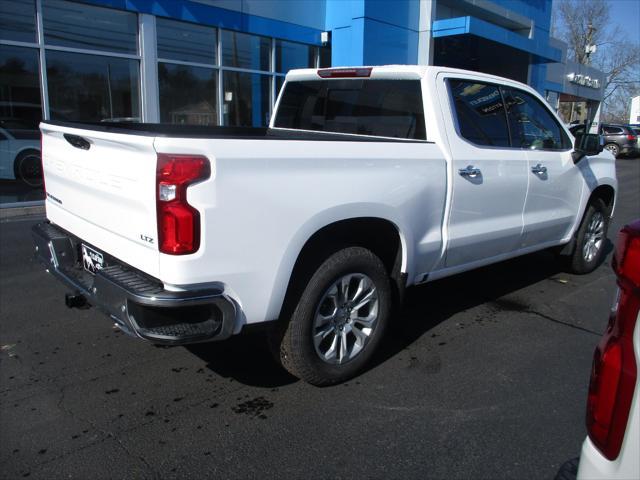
(484, 376)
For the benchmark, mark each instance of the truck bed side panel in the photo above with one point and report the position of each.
(266, 198)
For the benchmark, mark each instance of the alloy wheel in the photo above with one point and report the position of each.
(594, 237)
(345, 319)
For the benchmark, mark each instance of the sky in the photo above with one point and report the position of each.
(626, 14)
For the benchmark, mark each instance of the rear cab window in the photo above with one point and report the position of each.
(382, 108)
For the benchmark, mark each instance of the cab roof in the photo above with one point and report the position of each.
(392, 72)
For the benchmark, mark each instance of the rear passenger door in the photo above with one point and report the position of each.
(555, 183)
(489, 178)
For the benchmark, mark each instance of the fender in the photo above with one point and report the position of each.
(328, 217)
(597, 171)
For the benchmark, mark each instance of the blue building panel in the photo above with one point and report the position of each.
(373, 32)
(399, 13)
(388, 44)
(480, 28)
(341, 13)
(537, 10)
(353, 37)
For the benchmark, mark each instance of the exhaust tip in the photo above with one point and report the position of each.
(72, 300)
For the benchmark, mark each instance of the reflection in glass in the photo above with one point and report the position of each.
(291, 55)
(185, 41)
(71, 24)
(385, 108)
(18, 20)
(245, 51)
(19, 88)
(532, 126)
(246, 99)
(480, 113)
(92, 88)
(20, 114)
(187, 94)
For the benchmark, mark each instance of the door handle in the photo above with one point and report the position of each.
(539, 169)
(470, 171)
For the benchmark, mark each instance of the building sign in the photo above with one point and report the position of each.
(584, 80)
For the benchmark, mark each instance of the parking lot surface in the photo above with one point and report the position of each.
(484, 375)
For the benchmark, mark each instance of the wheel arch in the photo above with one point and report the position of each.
(607, 194)
(380, 235)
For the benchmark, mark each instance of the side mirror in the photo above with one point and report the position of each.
(589, 144)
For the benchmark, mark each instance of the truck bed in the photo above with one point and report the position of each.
(216, 132)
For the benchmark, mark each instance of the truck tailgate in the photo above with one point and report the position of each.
(101, 187)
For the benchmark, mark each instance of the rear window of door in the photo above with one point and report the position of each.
(480, 113)
(384, 108)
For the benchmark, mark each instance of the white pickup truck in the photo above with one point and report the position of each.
(367, 181)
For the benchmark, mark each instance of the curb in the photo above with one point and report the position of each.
(6, 213)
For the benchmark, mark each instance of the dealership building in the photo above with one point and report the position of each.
(222, 62)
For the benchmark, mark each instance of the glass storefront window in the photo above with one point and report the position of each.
(324, 59)
(18, 20)
(291, 55)
(242, 50)
(187, 94)
(70, 24)
(185, 41)
(246, 99)
(20, 114)
(93, 88)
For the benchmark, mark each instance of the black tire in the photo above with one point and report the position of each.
(297, 351)
(568, 470)
(27, 168)
(580, 262)
(613, 148)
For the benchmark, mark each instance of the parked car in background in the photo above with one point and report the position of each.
(20, 157)
(618, 139)
(612, 448)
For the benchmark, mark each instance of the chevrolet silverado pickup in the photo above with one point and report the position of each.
(368, 180)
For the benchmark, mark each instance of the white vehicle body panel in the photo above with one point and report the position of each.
(263, 203)
(550, 209)
(266, 198)
(481, 223)
(104, 195)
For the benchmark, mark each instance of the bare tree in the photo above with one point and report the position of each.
(586, 23)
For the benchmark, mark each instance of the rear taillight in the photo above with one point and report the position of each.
(631, 138)
(626, 260)
(614, 371)
(345, 72)
(178, 222)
